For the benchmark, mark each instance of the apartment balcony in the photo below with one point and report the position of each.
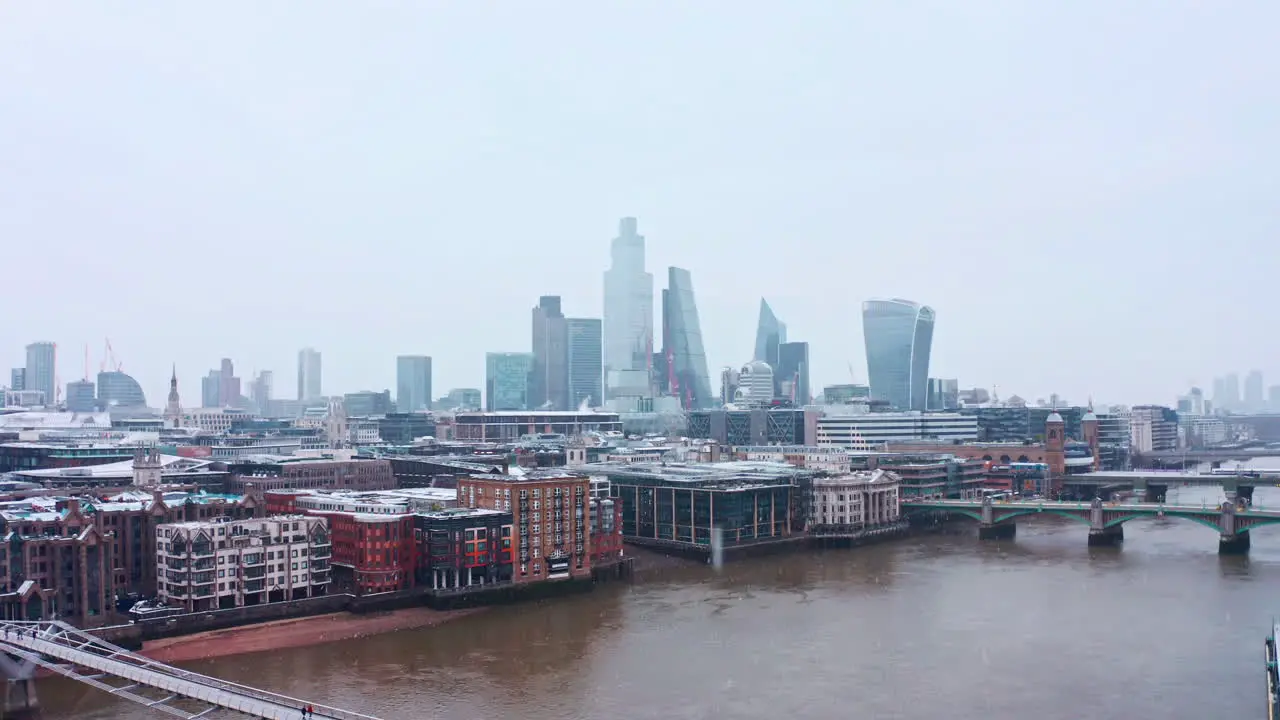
(202, 592)
(251, 561)
(322, 551)
(206, 564)
(319, 565)
(202, 550)
(255, 572)
(255, 585)
(203, 579)
(320, 578)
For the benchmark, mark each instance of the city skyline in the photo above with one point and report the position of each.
(985, 205)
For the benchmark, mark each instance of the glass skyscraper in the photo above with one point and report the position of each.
(686, 360)
(41, 371)
(413, 383)
(506, 380)
(628, 303)
(549, 382)
(898, 334)
(770, 334)
(792, 374)
(586, 367)
(308, 374)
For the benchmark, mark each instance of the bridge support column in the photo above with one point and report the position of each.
(1237, 544)
(1002, 531)
(20, 701)
(1107, 536)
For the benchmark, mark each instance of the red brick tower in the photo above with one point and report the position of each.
(1089, 429)
(1055, 449)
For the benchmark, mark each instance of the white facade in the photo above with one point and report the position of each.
(856, 500)
(874, 429)
(1150, 432)
(628, 304)
(755, 384)
(223, 563)
(827, 459)
(216, 420)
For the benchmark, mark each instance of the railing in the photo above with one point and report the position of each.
(61, 641)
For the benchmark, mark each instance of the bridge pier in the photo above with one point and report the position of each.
(1002, 531)
(1237, 544)
(20, 699)
(1106, 537)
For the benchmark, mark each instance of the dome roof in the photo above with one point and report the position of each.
(757, 366)
(1089, 417)
(1054, 417)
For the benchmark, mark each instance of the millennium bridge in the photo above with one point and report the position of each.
(26, 647)
(996, 519)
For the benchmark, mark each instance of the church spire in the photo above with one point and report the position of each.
(173, 410)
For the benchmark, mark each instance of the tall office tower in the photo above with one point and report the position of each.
(260, 391)
(770, 334)
(1254, 398)
(413, 383)
(549, 383)
(309, 374)
(685, 359)
(628, 304)
(506, 380)
(228, 385)
(586, 365)
(18, 379)
(81, 396)
(898, 335)
(791, 376)
(41, 371)
(1230, 399)
(211, 390)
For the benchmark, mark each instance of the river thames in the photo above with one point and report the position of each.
(935, 626)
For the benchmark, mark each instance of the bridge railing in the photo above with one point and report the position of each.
(78, 641)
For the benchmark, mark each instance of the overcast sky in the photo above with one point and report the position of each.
(1084, 191)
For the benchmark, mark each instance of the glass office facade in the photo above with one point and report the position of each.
(898, 334)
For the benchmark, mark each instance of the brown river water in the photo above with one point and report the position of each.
(934, 626)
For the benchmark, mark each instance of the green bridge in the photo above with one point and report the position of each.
(996, 520)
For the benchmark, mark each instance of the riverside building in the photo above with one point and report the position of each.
(225, 563)
(854, 501)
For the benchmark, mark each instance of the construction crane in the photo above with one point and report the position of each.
(109, 359)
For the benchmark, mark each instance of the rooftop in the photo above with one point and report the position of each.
(461, 512)
(738, 474)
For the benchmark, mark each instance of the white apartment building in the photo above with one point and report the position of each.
(870, 430)
(216, 420)
(854, 501)
(222, 563)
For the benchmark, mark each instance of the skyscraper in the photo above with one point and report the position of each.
(260, 390)
(770, 333)
(41, 372)
(628, 303)
(80, 396)
(549, 383)
(506, 380)
(791, 375)
(1230, 399)
(413, 383)
(1254, 394)
(228, 384)
(309, 374)
(211, 390)
(18, 378)
(586, 366)
(898, 335)
(685, 359)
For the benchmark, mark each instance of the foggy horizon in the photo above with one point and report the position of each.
(1080, 193)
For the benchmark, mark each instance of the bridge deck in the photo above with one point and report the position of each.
(42, 641)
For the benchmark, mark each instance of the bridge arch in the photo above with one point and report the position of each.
(1209, 521)
(1066, 513)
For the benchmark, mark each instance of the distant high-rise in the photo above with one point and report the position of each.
(211, 390)
(309, 374)
(586, 366)
(628, 303)
(1230, 399)
(80, 396)
(120, 390)
(413, 383)
(770, 334)
(506, 380)
(685, 359)
(41, 371)
(549, 383)
(18, 379)
(228, 384)
(260, 390)
(1255, 399)
(791, 375)
(898, 335)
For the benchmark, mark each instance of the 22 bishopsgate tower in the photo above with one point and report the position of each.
(628, 305)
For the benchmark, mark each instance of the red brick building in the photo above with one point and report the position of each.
(551, 517)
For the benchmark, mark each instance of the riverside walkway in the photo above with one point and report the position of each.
(68, 651)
